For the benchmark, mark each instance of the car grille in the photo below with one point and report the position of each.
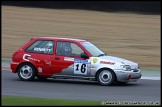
(134, 67)
(135, 70)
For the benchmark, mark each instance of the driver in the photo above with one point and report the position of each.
(67, 49)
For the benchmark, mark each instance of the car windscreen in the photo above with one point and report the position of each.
(92, 49)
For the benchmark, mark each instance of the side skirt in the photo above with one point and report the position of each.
(73, 77)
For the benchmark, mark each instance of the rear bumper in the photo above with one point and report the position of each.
(13, 66)
(128, 76)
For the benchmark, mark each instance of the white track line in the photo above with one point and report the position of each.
(150, 78)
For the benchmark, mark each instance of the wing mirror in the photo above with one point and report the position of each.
(83, 55)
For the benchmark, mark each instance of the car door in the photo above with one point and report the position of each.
(40, 54)
(68, 61)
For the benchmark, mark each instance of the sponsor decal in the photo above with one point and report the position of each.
(42, 49)
(48, 62)
(68, 59)
(105, 62)
(95, 60)
(39, 69)
(81, 61)
(27, 57)
(33, 59)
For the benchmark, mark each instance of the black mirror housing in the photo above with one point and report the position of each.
(83, 55)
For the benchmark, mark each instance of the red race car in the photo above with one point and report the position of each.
(45, 57)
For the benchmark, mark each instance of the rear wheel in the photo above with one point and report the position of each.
(26, 72)
(105, 77)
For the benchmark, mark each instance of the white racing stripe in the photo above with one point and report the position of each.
(151, 78)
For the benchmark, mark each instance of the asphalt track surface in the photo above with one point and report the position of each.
(142, 90)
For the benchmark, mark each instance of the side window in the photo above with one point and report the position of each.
(68, 49)
(41, 46)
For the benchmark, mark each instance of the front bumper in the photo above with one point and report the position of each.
(128, 76)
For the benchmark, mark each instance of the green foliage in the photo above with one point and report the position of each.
(28, 101)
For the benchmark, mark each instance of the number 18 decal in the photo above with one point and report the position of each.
(80, 67)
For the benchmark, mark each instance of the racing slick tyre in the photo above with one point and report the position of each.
(26, 72)
(106, 77)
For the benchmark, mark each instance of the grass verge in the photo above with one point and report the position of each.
(29, 101)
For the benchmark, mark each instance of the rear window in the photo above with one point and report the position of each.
(42, 47)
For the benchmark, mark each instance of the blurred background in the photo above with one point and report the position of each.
(130, 30)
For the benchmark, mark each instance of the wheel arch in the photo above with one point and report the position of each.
(25, 63)
(105, 68)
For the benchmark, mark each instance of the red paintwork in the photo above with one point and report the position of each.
(55, 66)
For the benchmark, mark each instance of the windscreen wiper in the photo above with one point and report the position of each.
(102, 55)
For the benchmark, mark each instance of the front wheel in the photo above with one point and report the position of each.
(105, 77)
(26, 72)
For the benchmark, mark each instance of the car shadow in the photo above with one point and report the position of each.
(79, 82)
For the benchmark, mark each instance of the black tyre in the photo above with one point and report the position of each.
(105, 77)
(26, 72)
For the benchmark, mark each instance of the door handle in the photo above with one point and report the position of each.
(57, 58)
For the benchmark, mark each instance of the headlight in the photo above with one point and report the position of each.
(126, 67)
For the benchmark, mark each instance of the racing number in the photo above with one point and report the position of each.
(80, 67)
(77, 67)
(83, 68)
